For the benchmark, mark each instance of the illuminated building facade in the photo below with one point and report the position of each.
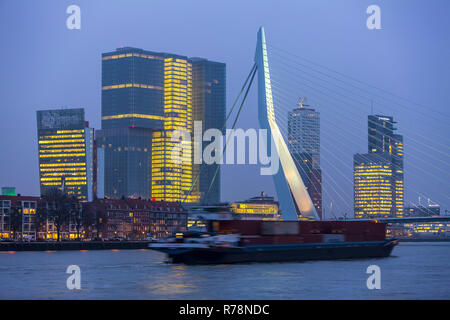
(422, 211)
(261, 207)
(172, 178)
(209, 107)
(304, 145)
(136, 218)
(382, 139)
(66, 152)
(24, 217)
(427, 230)
(397, 160)
(373, 188)
(145, 96)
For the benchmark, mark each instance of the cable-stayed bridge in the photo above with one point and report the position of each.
(344, 103)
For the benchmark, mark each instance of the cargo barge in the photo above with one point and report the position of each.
(244, 241)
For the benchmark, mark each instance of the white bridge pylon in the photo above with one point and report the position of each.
(288, 183)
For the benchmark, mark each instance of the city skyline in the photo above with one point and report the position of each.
(77, 98)
(224, 157)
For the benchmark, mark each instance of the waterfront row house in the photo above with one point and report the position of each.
(29, 218)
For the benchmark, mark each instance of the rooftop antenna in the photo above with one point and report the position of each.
(302, 102)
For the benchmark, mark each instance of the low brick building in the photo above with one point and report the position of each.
(26, 217)
(135, 218)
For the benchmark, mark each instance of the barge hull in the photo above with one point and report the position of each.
(282, 253)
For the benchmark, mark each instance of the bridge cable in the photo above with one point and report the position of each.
(232, 128)
(224, 125)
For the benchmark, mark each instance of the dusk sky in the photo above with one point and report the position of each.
(44, 65)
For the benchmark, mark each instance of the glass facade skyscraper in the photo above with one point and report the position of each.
(126, 166)
(373, 193)
(145, 96)
(172, 181)
(378, 175)
(304, 145)
(132, 89)
(209, 106)
(132, 108)
(382, 139)
(66, 152)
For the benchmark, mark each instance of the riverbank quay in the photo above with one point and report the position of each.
(72, 245)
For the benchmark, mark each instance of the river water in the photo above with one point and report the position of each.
(414, 271)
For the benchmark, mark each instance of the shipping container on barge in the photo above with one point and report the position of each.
(244, 241)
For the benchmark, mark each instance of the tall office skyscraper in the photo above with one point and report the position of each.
(132, 108)
(172, 181)
(378, 175)
(209, 106)
(145, 96)
(382, 138)
(373, 194)
(304, 145)
(66, 152)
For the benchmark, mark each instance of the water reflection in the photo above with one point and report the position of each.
(417, 272)
(175, 282)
